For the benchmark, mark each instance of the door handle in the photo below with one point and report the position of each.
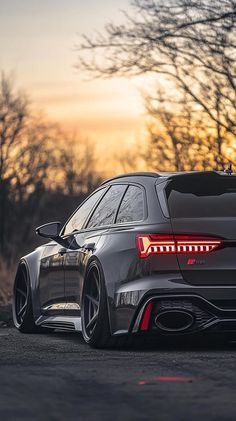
(62, 251)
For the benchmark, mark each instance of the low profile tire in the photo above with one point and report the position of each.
(94, 313)
(22, 308)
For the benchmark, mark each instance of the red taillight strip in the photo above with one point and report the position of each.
(195, 246)
(150, 245)
(166, 244)
(146, 317)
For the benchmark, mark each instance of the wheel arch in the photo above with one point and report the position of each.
(31, 262)
(96, 258)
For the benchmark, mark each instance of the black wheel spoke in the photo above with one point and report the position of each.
(92, 321)
(21, 296)
(89, 310)
(22, 310)
(21, 292)
(92, 299)
(91, 302)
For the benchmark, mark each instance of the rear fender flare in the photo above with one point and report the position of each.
(32, 264)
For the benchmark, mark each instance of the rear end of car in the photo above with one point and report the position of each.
(189, 263)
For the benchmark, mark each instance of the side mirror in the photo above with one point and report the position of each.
(51, 230)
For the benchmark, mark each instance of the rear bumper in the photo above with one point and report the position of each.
(212, 308)
(206, 316)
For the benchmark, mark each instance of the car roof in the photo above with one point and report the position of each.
(165, 175)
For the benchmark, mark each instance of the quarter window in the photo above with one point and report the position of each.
(78, 219)
(105, 212)
(132, 206)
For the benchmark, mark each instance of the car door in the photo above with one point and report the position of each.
(51, 279)
(85, 242)
(52, 275)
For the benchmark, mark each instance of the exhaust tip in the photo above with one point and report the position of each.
(174, 320)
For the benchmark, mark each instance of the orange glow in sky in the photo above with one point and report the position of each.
(37, 45)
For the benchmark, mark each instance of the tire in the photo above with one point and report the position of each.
(94, 311)
(22, 308)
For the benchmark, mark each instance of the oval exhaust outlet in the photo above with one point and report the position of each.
(174, 320)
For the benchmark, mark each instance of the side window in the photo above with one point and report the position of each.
(132, 206)
(78, 219)
(105, 212)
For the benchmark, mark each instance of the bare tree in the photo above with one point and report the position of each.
(13, 116)
(191, 43)
(130, 159)
(181, 138)
(37, 161)
(77, 165)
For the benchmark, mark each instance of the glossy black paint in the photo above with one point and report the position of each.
(57, 271)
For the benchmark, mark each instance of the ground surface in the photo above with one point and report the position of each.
(57, 377)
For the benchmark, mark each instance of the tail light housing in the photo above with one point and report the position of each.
(168, 244)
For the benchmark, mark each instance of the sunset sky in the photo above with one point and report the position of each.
(37, 45)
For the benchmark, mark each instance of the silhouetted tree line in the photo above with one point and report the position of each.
(190, 45)
(44, 175)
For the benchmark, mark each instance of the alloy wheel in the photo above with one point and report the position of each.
(92, 296)
(21, 297)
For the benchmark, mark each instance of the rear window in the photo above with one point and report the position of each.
(202, 197)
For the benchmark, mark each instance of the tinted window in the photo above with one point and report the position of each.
(105, 212)
(205, 196)
(132, 206)
(78, 219)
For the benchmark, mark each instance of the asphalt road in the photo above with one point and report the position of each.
(57, 377)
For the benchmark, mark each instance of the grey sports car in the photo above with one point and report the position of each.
(145, 254)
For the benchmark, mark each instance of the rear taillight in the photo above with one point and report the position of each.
(168, 244)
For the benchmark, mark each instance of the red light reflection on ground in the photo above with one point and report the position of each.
(174, 378)
(166, 379)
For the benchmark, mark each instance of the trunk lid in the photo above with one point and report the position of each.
(205, 207)
(217, 267)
